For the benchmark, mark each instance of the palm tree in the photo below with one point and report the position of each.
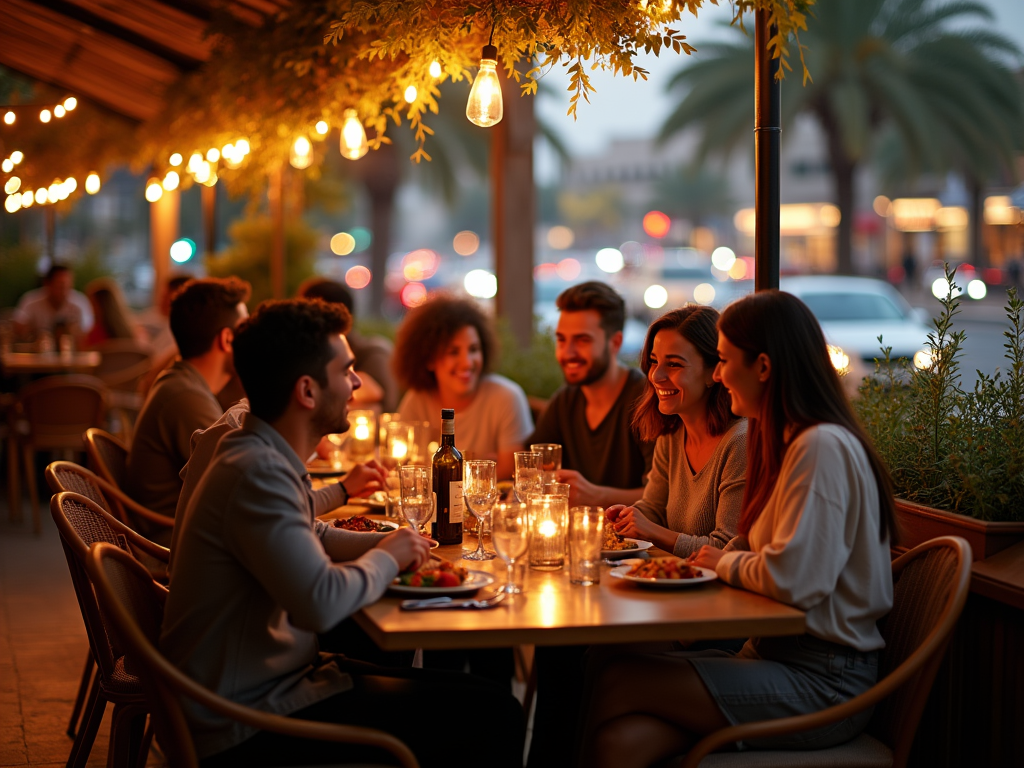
(878, 66)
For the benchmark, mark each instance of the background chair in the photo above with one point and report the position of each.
(52, 414)
(930, 588)
(108, 455)
(132, 604)
(124, 364)
(81, 523)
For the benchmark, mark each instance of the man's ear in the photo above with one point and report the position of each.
(226, 339)
(305, 392)
(616, 341)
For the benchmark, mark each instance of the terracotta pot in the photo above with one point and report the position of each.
(919, 523)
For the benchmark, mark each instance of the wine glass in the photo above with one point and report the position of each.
(417, 494)
(510, 534)
(528, 477)
(480, 490)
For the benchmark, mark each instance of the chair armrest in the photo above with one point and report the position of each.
(133, 506)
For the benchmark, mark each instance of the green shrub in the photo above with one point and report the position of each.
(958, 450)
(18, 265)
(534, 368)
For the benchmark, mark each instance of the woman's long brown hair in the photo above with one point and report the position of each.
(803, 390)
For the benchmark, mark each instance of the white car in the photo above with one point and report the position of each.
(854, 312)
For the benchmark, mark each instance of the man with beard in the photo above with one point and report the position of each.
(256, 577)
(590, 416)
(203, 317)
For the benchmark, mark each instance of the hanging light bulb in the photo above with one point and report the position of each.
(302, 153)
(322, 127)
(44, 116)
(410, 94)
(484, 107)
(92, 183)
(70, 103)
(58, 111)
(154, 190)
(353, 137)
(176, 159)
(171, 180)
(9, 118)
(435, 69)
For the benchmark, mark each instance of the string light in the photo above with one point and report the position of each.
(242, 145)
(92, 183)
(8, 165)
(59, 111)
(45, 116)
(485, 107)
(322, 127)
(353, 136)
(195, 162)
(176, 159)
(171, 180)
(27, 199)
(13, 203)
(301, 154)
(154, 190)
(13, 185)
(435, 69)
(202, 172)
(41, 196)
(410, 94)
(17, 156)
(9, 118)
(70, 103)
(213, 154)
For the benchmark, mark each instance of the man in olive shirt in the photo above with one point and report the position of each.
(204, 314)
(602, 460)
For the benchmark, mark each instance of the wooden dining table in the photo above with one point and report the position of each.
(34, 363)
(551, 611)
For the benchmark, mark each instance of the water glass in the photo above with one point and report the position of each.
(480, 491)
(528, 474)
(382, 421)
(556, 489)
(336, 452)
(417, 494)
(510, 534)
(586, 538)
(547, 531)
(550, 459)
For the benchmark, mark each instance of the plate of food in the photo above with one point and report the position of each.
(440, 577)
(616, 547)
(664, 573)
(364, 524)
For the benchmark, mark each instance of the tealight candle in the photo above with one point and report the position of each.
(547, 530)
(362, 435)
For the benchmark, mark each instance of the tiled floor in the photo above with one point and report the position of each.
(42, 648)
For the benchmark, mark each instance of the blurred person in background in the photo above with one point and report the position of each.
(444, 352)
(55, 308)
(204, 314)
(373, 353)
(112, 319)
(156, 321)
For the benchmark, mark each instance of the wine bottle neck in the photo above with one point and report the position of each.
(448, 432)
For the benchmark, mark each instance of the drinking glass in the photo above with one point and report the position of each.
(382, 424)
(417, 495)
(397, 447)
(362, 435)
(555, 489)
(550, 459)
(480, 490)
(547, 531)
(586, 537)
(336, 454)
(510, 534)
(528, 474)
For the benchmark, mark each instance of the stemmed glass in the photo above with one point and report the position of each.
(480, 490)
(417, 494)
(528, 477)
(510, 534)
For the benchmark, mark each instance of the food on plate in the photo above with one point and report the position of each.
(363, 525)
(436, 573)
(613, 541)
(665, 568)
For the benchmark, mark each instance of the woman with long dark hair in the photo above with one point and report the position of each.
(695, 487)
(817, 522)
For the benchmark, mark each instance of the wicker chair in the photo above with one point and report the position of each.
(52, 413)
(132, 604)
(931, 583)
(81, 523)
(108, 455)
(124, 364)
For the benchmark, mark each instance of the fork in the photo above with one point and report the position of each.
(447, 602)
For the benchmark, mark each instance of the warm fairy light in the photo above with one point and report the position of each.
(343, 244)
(70, 103)
(322, 127)
(176, 159)
(212, 179)
(232, 155)
(153, 190)
(435, 69)
(53, 192)
(171, 180)
(9, 118)
(13, 185)
(466, 243)
(59, 111)
(17, 156)
(8, 165)
(44, 116)
(27, 199)
(353, 136)
(213, 154)
(358, 277)
(195, 162)
(484, 107)
(202, 172)
(840, 360)
(242, 145)
(70, 184)
(41, 196)
(301, 154)
(410, 94)
(13, 203)
(92, 183)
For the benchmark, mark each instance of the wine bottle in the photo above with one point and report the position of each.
(447, 480)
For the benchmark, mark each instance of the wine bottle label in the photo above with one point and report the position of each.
(448, 427)
(457, 504)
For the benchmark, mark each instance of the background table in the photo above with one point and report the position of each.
(26, 363)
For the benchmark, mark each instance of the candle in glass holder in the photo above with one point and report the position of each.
(547, 514)
(336, 453)
(362, 435)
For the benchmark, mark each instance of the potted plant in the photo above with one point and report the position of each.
(956, 456)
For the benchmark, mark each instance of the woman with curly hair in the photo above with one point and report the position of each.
(444, 352)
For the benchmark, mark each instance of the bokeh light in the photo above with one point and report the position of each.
(358, 277)
(44, 116)
(609, 260)
(410, 94)
(738, 271)
(481, 284)
(362, 237)
(71, 184)
(176, 159)
(92, 183)
(466, 243)
(655, 296)
(9, 118)
(41, 196)
(171, 180)
(840, 360)
(70, 103)
(154, 190)
(17, 156)
(343, 244)
(704, 293)
(723, 258)
(561, 237)
(8, 165)
(322, 127)
(413, 294)
(977, 289)
(568, 269)
(13, 202)
(420, 264)
(13, 185)
(435, 69)
(882, 205)
(27, 198)
(213, 154)
(941, 288)
(923, 359)
(59, 111)
(657, 224)
(182, 250)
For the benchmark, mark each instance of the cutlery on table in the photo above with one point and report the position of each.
(446, 602)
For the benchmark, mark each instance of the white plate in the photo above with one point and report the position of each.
(618, 554)
(366, 501)
(474, 580)
(622, 572)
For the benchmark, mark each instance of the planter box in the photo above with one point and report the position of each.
(919, 523)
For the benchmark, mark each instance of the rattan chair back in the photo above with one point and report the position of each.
(108, 454)
(57, 410)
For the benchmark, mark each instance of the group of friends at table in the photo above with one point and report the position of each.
(732, 445)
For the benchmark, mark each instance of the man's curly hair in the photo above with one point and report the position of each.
(281, 342)
(425, 332)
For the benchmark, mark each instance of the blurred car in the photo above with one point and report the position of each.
(854, 312)
(684, 275)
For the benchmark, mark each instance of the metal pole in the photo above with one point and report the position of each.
(208, 199)
(277, 242)
(767, 139)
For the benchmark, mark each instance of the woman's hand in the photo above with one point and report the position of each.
(612, 513)
(706, 557)
(364, 479)
(633, 524)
